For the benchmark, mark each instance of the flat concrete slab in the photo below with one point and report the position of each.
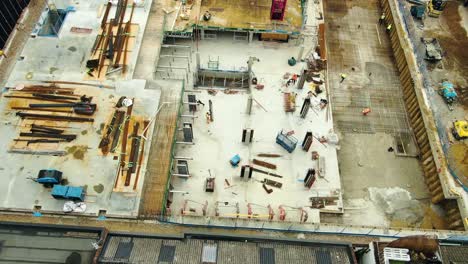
(215, 143)
(64, 57)
(83, 165)
(359, 47)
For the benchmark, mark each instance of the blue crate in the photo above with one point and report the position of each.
(59, 191)
(68, 192)
(235, 160)
(75, 193)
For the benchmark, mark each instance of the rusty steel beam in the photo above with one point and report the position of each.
(54, 117)
(140, 158)
(102, 55)
(124, 42)
(123, 148)
(106, 15)
(133, 154)
(264, 164)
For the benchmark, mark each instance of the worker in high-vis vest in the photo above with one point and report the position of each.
(382, 19)
(389, 27)
(343, 77)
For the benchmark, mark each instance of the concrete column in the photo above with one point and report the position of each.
(301, 52)
(198, 61)
(251, 35)
(249, 104)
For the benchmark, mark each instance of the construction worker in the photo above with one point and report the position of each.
(382, 19)
(343, 77)
(366, 111)
(389, 28)
(2, 54)
(208, 117)
(207, 16)
(294, 78)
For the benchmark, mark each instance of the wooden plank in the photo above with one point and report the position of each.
(264, 164)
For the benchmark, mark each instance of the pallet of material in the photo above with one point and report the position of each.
(125, 57)
(289, 102)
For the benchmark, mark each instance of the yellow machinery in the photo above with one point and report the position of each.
(460, 129)
(436, 7)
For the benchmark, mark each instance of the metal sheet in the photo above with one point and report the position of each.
(323, 257)
(124, 249)
(166, 254)
(209, 253)
(267, 256)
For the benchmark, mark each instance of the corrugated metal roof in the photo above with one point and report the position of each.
(167, 253)
(323, 257)
(209, 251)
(454, 254)
(124, 250)
(267, 256)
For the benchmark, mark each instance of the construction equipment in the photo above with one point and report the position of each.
(48, 178)
(287, 141)
(68, 193)
(460, 129)
(448, 93)
(436, 7)
(418, 11)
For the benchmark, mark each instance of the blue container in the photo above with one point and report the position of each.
(235, 160)
(68, 192)
(75, 193)
(59, 191)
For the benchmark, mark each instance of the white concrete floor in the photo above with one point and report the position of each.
(217, 142)
(93, 171)
(64, 57)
